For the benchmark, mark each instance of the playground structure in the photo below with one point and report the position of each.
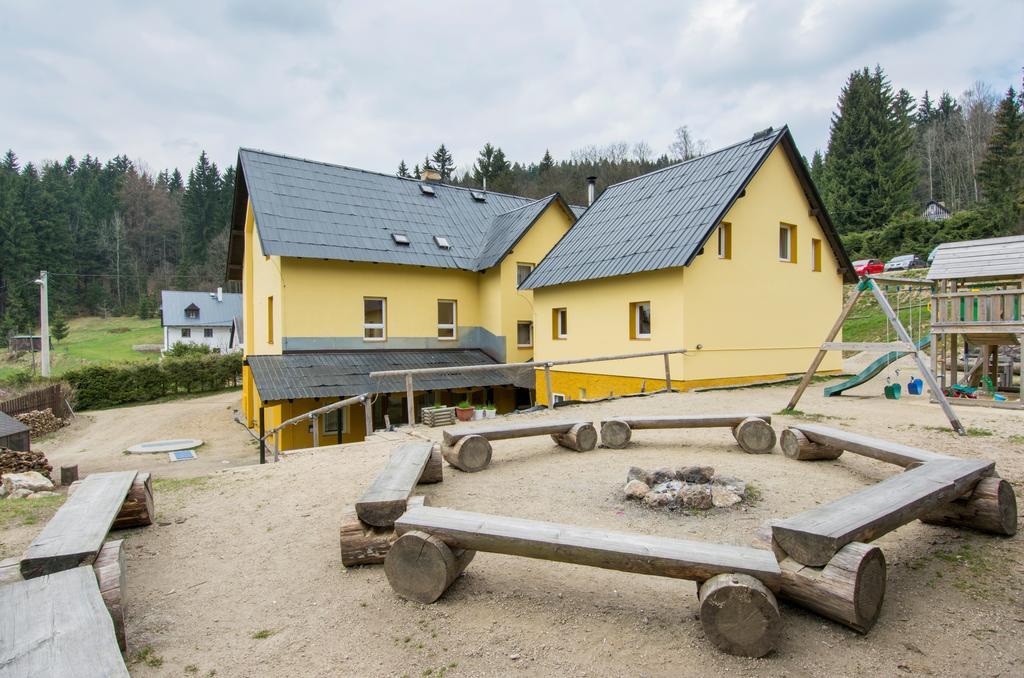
(820, 559)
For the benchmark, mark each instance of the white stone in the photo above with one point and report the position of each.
(636, 489)
(33, 481)
(722, 497)
(19, 494)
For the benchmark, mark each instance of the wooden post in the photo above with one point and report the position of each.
(816, 363)
(420, 567)
(668, 375)
(316, 430)
(1020, 340)
(68, 474)
(410, 401)
(368, 416)
(277, 444)
(991, 507)
(263, 440)
(739, 615)
(547, 385)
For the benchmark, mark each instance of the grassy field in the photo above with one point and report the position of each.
(90, 341)
(868, 323)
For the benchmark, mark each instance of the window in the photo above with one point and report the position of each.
(442, 242)
(446, 319)
(583, 394)
(186, 332)
(330, 421)
(725, 241)
(557, 398)
(559, 323)
(640, 319)
(374, 319)
(787, 243)
(524, 334)
(208, 332)
(192, 312)
(815, 254)
(522, 273)
(400, 238)
(270, 320)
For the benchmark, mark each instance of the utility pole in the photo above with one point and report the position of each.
(44, 323)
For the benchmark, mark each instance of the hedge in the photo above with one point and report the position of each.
(110, 385)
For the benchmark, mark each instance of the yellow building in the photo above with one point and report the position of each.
(346, 272)
(731, 256)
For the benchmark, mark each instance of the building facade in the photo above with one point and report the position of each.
(203, 318)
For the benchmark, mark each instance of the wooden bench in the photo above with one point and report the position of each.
(470, 450)
(57, 625)
(753, 432)
(75, 534)
(385, 499)
(815, 536)
(738, 609)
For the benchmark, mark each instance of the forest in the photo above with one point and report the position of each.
(113, 234)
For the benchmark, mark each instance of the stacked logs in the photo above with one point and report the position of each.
(19, 461)
(41, 422)
(137, 509)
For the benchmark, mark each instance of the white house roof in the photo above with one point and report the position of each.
(972, 259)
(211, 311)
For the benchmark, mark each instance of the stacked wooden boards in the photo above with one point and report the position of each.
(470, 450)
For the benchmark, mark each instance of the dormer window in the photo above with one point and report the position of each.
(479, 196)
(442, 242)
(192, 312)
(427, 189)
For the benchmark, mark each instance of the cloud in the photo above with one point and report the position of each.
(367, 84)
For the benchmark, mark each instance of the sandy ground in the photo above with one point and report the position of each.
(242, 576)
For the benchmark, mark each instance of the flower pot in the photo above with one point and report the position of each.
(478, 414)
(464, 413)
(489, 414)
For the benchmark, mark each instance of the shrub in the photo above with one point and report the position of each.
(181, 349)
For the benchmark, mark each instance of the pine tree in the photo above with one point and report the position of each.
(175, 185)
(403, 170)
(416, 172)
(59, 328)
(201, 210)
(1001, 174)
(10, 161)
(816, 168)
(427, 164)
(546, 163)
(444, 162)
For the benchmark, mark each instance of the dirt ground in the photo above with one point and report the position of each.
(241, 575)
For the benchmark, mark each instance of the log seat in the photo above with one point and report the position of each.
(753, 432)
(470, 450)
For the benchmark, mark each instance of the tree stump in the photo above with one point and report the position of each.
(68, 474)
(137, 509)
(420, 567)
(363, 544)
(433, 472)
(795, 445)
(991, 507)
(469, 454)
(580, 438)
(739, 615)
(110, 575)
(615, 434)
(755, 436)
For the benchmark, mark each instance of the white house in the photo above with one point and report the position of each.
(201, 318)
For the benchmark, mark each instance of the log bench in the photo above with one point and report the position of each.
(753, 432)
(737, 606)
(385, 499)
(75, 534)
(57, 625)
(470, 450)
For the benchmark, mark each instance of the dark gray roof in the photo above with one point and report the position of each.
(507, 228)
(346, 373)
(977, 259)
(10, 426)
(211, 311)
(317, 210)
(662, 219)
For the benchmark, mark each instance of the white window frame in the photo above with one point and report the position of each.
(343, 418)
(520, 279)
(788, 228)
(520, 323)
(453, 327)
(562, 322)
(557, 398)
(382, 326)
(636, 320)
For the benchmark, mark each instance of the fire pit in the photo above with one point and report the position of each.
(688, 487)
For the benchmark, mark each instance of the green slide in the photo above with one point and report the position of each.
(872, 370)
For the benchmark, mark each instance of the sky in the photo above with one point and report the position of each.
(367, 84)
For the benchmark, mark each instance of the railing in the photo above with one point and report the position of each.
(995, 307)
(546, 364)
(312, 415)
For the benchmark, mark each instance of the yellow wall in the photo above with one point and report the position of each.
(753, 315)
(299, 436)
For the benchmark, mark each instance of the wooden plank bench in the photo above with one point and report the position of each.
(815, 536)
(76, 532)
(809, 441)
(753, 432)
(738, 608)
(57, 625)
(385, 499)
(470, 450)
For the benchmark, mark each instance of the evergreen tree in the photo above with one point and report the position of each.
(416, 172)
(10, 161)
(817, 167)
(59, 328)
(546, 163)
(444, 162)
(427, 164)
(491, 165)
(403, 170)
(1001, 174)
(175, 185)
(201, 210)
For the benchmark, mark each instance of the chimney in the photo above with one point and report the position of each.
(430, 174)
(220, 294)
(591, 188)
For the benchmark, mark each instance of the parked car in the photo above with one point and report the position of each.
(868, 266)
(905, 262)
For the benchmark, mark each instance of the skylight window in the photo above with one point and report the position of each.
(442, 242)
(427, 189)
(400, 238)
(479, 196)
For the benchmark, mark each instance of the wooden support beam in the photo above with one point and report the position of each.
(615, 434)
(755, 436)
(368, 416)
(816, 362)
(876, 448)
(990, 507)
(410, 401)
(363, 544)
(582, 437)
(869, 346)
(547, 385)
(739, 615)
(469, 453)
(507, 431)
(691, 421)
(795, 445)
(421, 567)
(668, 374)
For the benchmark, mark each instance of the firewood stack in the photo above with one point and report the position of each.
(16, 461)
(41, 422)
